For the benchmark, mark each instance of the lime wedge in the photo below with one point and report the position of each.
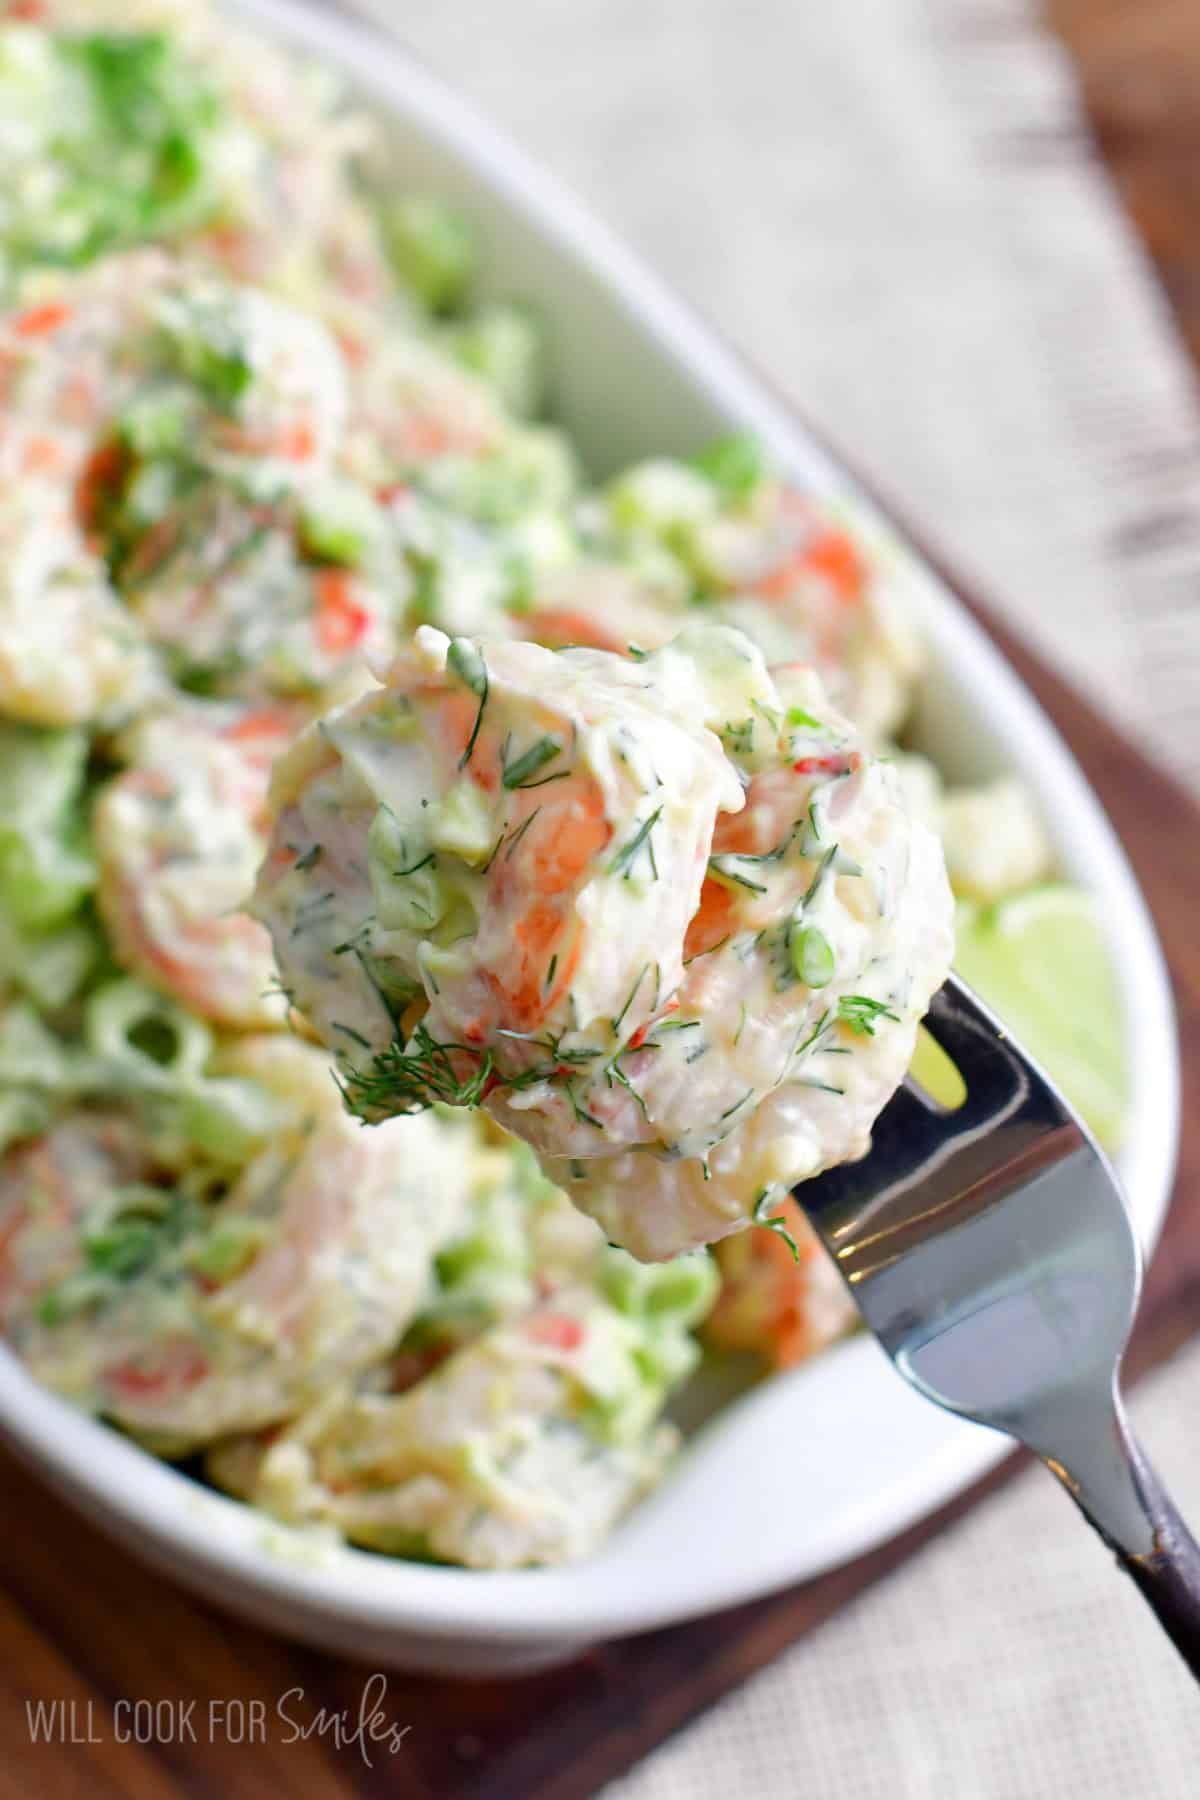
(932, 1069)
(1041, 961)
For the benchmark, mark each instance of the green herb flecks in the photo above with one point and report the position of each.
(822, 870)
(623, 862)
(466, 664)
(581, 1113)
(738, 736)
(862, 1014)
(722, 868)
(408, 1077)
(518, 774)
(819, 1029)
(356, 1037)
(614, 1072)
(796, 715)
(779, 1226)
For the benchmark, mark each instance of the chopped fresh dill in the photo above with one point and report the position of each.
(761, 1216)
(408, 1078)
(614, 1072)
(738, 735)
(310, 857)
(862, 1014)
(466, 663)
(581, 1112)
(495, 851)
(737, 1105)
(616, 1024)
(821, 1026)
(711, 951)
(720, 866)
(516, 774)
(779, 1227)
(356, 1037)
(519, 833)
(822, 870)
(796, 715)
(622, 863)
(382, 995)
(811, 836)
(550, 973)
(399, 874)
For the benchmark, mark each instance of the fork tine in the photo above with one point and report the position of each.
(997, 1074)
(908, 1134)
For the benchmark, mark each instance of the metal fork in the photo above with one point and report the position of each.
(990, 1251)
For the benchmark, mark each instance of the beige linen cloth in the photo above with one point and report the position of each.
(893, 205)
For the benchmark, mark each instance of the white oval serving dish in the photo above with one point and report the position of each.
(813, 1467)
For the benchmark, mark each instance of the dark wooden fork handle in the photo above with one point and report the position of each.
(1169, 1574)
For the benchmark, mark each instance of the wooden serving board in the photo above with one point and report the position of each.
(81, 1621)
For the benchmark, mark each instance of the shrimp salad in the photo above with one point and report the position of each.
(662, 915)
(621, 848)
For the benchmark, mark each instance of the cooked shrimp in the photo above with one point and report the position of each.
(687, 969)
(69, 361)
(179, 836)
(498, 1459)
(49, 1186)
(224, 590)
(69, 651)
(784, 1301)
(413, 403)
(806, 587)
(601, 605)
(307, 1270)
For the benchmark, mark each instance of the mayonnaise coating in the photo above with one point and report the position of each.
(663, 917)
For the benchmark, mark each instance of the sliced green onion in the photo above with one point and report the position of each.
(735, 464)
(145, 1037)
(812, 957)
(432, 249)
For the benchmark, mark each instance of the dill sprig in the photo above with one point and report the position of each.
(822, 870)
(796, 715)
(581, 1113)
(761, 1216)
(738, 736)
(517, 774)
(409, 1077)
(862, 1014)
(720, 866)
(466, 663)
(622, 863)
(614, 1072)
